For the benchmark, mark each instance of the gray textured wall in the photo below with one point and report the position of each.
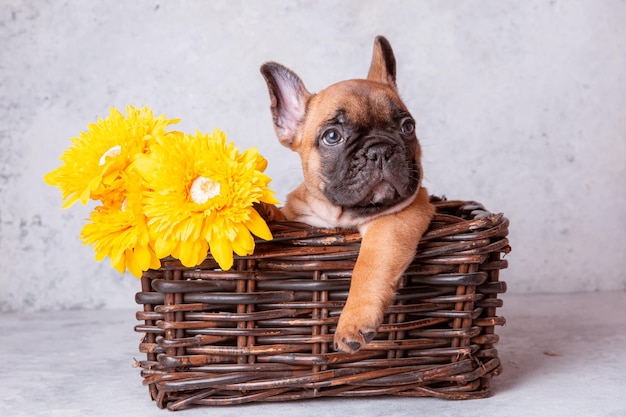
(520, 105)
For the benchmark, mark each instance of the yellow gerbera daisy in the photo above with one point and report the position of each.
(118, 229)
(92, 166)
(201, 195)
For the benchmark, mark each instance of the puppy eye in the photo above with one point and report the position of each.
(331, 137)
(408, 127)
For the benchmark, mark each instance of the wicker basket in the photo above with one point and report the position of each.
(263, 331)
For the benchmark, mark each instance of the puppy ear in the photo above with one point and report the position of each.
(383, 66)
(288, 97)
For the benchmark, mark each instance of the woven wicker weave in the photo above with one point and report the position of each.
(263, 331)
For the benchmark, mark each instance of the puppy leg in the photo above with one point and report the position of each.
(269, 212)
(387, 247)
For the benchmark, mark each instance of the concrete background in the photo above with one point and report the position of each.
(519, 105)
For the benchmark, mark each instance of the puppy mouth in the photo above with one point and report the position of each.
(366, 199)
(381, 195)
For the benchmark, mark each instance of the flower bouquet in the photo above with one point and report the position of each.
(163, 193)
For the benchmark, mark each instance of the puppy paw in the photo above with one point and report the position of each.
(269, 212)
(355, 330)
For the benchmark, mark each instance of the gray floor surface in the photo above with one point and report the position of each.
(563, 355)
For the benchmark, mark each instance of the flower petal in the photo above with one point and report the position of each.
(257, 225)
(163, 248)
(243, 244)
(222, 252)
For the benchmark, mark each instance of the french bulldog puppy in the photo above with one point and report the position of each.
(361, 161)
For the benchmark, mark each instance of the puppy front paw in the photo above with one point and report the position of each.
(269, 212)
(356, 328)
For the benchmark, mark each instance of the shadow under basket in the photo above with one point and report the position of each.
(263, 331)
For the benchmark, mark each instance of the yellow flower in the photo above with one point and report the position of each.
(93, 165)
(118, 229)
(163, 193)
(200, 197)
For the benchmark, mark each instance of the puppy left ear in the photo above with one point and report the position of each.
(383, 66)
(288, 97)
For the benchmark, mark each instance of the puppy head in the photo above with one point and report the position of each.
(356, 138)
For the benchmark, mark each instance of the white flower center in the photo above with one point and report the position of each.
(204, 188)
(112, 152)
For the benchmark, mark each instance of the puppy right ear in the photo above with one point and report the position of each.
(288, 100)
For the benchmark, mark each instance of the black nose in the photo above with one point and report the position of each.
(379, 153)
